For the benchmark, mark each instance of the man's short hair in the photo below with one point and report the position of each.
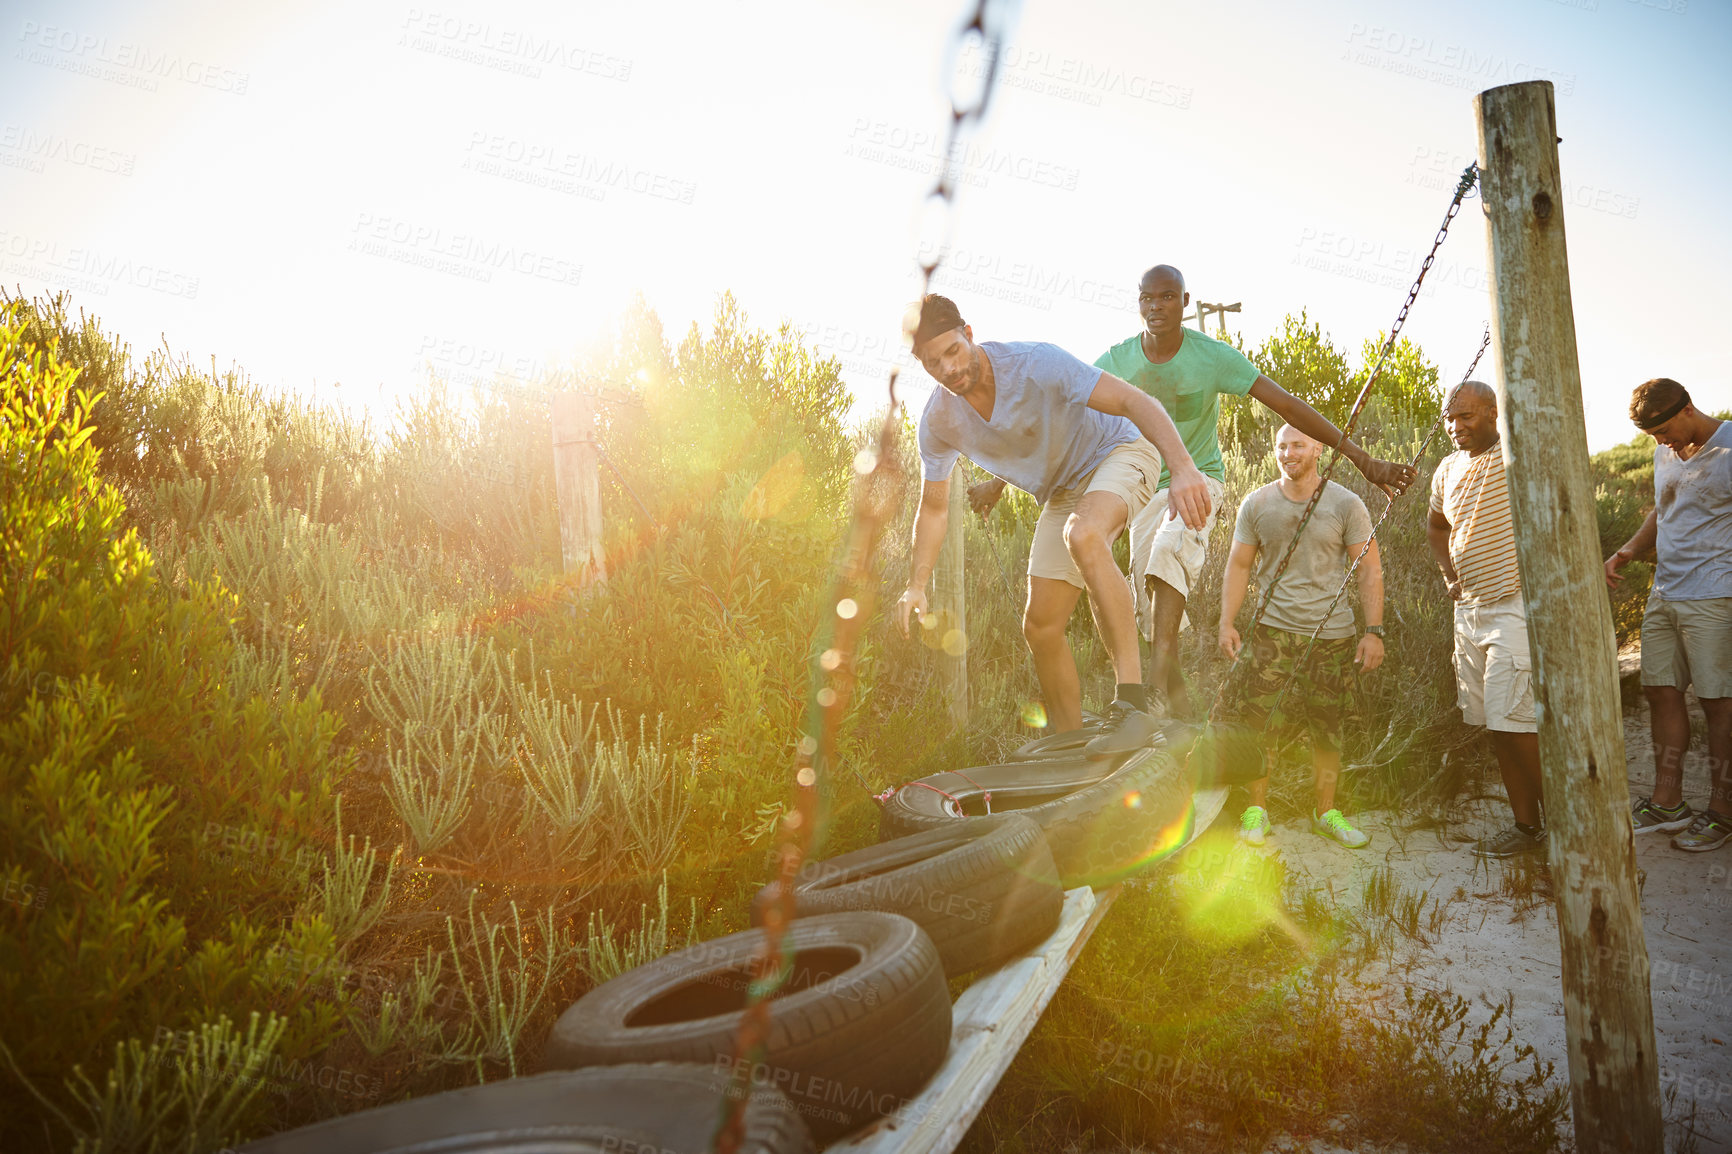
(938, 315)
(1657, 401)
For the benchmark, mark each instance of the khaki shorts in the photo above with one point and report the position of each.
(1494, 681)
(1130, 472)
(1161, 547)
(1688, 643)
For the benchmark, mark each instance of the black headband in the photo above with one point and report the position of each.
(1656, 422)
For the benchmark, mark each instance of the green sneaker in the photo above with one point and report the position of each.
(1646, 817)
(1708, 831)
(1336, 827)
(1254, 824)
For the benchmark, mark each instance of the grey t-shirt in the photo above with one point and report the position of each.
(1694, 550)
(1042, 436)
(1267, 520)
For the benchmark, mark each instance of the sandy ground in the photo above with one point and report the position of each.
(1498, 941)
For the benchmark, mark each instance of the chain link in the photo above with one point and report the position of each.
(877, 496)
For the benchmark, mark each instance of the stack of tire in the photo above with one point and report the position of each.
(862, 1021)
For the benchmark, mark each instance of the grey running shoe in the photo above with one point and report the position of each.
(1124, 728)
(1334, 826)
(1510, 842)
(1708, 831)
(1647, 817)
(1254, 824)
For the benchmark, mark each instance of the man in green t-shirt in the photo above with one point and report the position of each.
(1188, 372)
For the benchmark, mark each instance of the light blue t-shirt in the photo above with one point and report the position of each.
(1042, 436)
(1694, 550)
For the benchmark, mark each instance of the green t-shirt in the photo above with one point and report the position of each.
(1189, 387)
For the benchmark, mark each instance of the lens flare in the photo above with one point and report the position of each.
(1034, 715)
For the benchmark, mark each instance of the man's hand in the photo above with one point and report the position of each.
(911, 601)
(1370, 654)
(984, 496)
(1392, 477)
(1452, 586)
(1229, 641)
(1615, 564)
(1188, 496)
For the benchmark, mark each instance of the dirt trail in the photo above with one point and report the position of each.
(1499, 939)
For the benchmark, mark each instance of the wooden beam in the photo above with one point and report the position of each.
(1608, 1016)
(991, 1020)
(576, 475)
(950, 605)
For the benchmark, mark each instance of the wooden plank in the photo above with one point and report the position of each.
(576, 474)
(992, 1019)
(1608, 1017)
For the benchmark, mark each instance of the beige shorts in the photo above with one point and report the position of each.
(1494, 681)
(1130, 472)
(1688, 643)
(1161, 547)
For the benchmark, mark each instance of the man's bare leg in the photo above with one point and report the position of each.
(1165, 674)
(1518, 760)
(1050, 604)
(1719, 714)
(1088, 534)
(1669, 723)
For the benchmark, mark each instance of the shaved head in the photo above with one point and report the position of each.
(1471, 391)
(1165, 272)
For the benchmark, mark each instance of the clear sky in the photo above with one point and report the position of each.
(355, 192)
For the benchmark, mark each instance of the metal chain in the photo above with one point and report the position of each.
(1468, 176)
(1304, 661)
(877, 496)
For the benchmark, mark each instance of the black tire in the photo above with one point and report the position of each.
(943, 799)
(1068, 744)
(1099, 829)
(647, 1108)
(984, 891)
(863, 1021)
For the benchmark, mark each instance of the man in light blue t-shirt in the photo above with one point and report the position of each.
(1687, 629)
(1091, 449)
(1188, 373)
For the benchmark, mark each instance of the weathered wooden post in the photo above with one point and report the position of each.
(1608, 1015)
(577, 478)
(950, 605)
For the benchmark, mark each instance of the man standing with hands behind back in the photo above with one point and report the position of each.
(1473, 540)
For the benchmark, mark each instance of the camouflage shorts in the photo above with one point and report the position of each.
(1318, 698)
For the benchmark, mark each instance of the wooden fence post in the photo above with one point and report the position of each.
(577, 478)
(1608, 1015)
(949, 604)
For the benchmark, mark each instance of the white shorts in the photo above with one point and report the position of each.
(1494, 681)
(1161, 547)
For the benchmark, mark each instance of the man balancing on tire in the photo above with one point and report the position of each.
(1089, 447)
(1188, 373)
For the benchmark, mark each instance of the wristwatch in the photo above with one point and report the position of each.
(1374, 630)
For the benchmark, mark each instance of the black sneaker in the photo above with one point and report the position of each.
(1124, 728)
(1510, 842)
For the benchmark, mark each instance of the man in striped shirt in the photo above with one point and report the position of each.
(1474, 543)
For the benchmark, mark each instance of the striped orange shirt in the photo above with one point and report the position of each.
(1473, 497)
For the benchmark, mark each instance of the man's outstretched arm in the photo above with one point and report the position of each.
(1392, 477)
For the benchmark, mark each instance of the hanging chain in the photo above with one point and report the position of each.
(1469, 176)
(1304, 661)
(877, 496)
